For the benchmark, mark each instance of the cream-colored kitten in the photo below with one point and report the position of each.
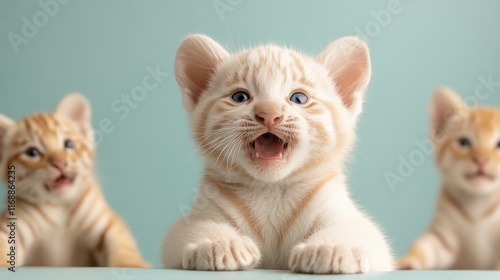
(465, 231)
(275, 127)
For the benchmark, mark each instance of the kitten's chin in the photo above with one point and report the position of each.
(479, 184)
(62, 188)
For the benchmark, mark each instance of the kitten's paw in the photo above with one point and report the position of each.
(498, 267)
(222, 254)
(409, 262)
(130, 263)
(328, 259)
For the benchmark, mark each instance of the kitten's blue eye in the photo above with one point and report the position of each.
(240, 96)
(299, 98)
(464, 142)
(68, 144)
(32, 152)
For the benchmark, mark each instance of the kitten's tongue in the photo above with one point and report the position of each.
(268, 146)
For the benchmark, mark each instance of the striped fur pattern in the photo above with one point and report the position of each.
(465, 231)
(289, 208)
(62, 217)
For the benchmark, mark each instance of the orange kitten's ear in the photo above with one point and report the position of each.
(348, 61)
(197, 58)
(5, 124)
(76, 107)
(445, 105)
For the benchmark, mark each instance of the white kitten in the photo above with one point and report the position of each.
(275, 127)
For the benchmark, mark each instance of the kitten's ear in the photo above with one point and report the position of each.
(197, 58)
(76, 107)
(348, 61)
(445, 106)
(5, 124)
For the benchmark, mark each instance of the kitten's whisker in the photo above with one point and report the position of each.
(226, 143)
(218, 138)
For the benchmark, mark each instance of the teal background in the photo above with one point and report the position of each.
(148, 165)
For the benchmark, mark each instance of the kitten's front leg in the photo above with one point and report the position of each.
(119, 248)
(431, 251)
(343, 249)
(208, 245)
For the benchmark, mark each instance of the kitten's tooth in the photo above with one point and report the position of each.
(281, 155)
(257, 155)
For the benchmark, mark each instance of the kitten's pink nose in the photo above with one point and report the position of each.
(481, 161)
(60, 165)
(269, 119)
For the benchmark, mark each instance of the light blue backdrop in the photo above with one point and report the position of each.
(147, 163)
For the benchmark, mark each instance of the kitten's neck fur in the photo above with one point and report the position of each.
(236, 181)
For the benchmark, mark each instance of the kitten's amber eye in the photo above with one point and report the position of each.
(240, 96)
(32, 152)
(464, 142)
(68, 144)
(299, 98)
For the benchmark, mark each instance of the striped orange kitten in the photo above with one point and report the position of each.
(62, 217)
(465, 231)
(275, 127)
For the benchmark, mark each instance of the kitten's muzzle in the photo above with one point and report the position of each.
(480, 174)
(63, 179)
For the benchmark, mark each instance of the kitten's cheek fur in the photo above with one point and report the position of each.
(222, 254)
(324, 258)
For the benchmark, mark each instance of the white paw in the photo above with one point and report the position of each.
(222, 254)
(328, 259)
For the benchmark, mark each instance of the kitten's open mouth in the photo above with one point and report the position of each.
(268, 147)
(480, 174)
(60, 182)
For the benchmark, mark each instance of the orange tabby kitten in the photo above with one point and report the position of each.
(62, 216)
(465, 231)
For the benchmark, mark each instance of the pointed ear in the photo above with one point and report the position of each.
(195, 63)
(76, 107)
(445, 106)
(5, 124)
(348, 62)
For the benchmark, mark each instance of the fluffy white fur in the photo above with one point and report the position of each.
(293, 214)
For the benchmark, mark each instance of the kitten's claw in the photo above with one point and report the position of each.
(221, 254)
(328, 259)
